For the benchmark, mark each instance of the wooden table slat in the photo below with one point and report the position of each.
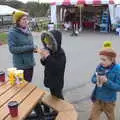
(2, 83)
(28, 104)
(10, 93)
(19, 98)
(4, 87)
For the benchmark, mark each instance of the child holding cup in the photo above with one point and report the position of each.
(106, 85)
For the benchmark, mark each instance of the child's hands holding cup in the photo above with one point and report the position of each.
(103, 79)
(43, 52)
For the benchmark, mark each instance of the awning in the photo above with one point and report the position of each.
(7, 10)
(75, 2)
(117, 2)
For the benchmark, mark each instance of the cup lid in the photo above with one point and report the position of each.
(20, 71)
(2, 72)
(13, 104)
(11, 69)
(101, 73)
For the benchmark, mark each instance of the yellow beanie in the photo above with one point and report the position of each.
(18, 15)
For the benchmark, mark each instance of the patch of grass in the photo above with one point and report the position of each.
(43, 25)
(3, 38)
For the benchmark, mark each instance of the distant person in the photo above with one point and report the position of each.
(67, 20)
(34, 24)
(20, 42)
(95, 20)
(107, 83)
(75, 24)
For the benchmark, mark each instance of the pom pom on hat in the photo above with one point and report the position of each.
(18, 15)
(107, 44)
(107, 50)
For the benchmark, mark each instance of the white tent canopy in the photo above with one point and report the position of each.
(117, 1)
(7, 10)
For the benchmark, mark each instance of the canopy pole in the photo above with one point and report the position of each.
(53, 14)
(80, 29)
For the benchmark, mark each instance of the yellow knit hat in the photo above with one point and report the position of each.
(18, 15)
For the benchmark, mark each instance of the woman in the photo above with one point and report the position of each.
(20, 42)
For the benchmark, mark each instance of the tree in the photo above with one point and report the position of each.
(36, 9)
(2, 2)
(15, 4)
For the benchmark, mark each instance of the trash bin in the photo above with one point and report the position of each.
(50, 26)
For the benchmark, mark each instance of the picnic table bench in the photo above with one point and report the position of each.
(66, 111)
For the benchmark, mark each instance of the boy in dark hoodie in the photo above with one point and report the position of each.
(54, 60)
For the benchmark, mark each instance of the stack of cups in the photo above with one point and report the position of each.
(19, 75)
(11, 75)
(15, 76)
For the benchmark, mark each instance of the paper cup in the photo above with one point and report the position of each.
(11, 75)
(13, 108)
(2, 76)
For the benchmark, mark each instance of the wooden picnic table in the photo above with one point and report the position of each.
(26, 94)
